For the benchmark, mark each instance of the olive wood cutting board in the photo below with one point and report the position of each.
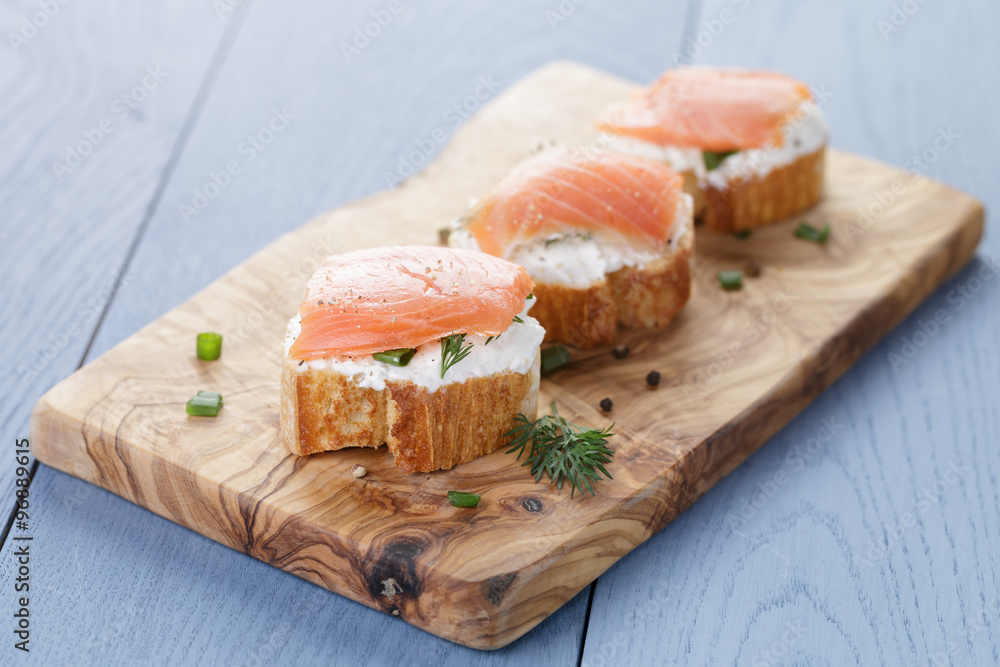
(736, 366)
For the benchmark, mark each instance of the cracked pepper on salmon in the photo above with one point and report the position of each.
(368, 301)
(571, 190)
(710, 109)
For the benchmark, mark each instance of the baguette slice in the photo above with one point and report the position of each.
(767, 134)
(648, 295)
(754, 201)
(429, 350)
(606, 237)
(325, 410)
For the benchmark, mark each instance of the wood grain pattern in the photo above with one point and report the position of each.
(250, 494)
(119, 585)
(89, 608)
(741, 573)
(64, 234)
(354, 122)
(130, 598)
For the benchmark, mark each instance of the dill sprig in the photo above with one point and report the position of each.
(453, 350)
(562, 450)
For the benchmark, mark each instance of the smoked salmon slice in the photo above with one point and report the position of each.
(568, 190)
(369, 301)
(711, 109)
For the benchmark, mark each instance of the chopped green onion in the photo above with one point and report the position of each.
(517, 318)
(398, 357)
(714, 158)
(529, 297)
(731, 280)
(743, 234)
(211, 396)
(554, 357)
(204, 404)
(209, 346)
(810, 233)
(463, 499)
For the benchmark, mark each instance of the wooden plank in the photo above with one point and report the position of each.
(231, 480)
(363, 126)
(88, 127)
(163, 604)
(355, 121)
(847, 561)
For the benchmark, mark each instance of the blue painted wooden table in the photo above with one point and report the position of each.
(867, 531)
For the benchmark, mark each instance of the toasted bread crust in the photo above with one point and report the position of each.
(323, 410)
(580, 317)
(458, 422)
(651, 295)
(639, 296)
(758, 201)
(311, 418)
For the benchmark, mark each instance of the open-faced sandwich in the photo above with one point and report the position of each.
(607, 238)
(429, 350)
(760, 136)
